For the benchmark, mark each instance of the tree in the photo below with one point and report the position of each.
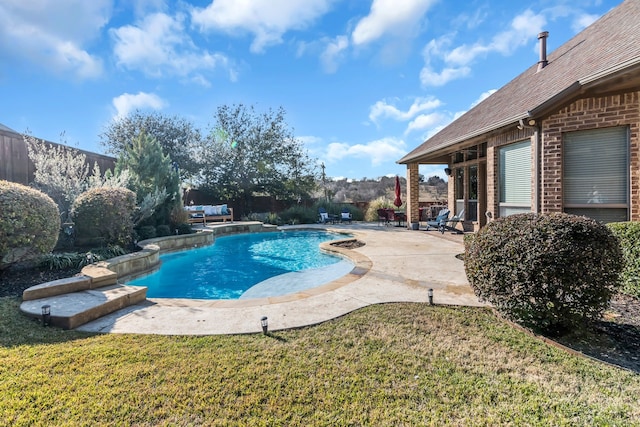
(151, 176)
(247, 153)
(60, 172)
(438, 186)
(177, 136)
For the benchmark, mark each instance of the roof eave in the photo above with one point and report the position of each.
(514, 120)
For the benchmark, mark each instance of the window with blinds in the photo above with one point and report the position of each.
(515, 178)
(596, 173)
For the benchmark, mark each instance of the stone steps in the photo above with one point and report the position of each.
(77, 300)
(70, 310)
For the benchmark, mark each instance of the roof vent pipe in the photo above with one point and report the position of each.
(543, 50)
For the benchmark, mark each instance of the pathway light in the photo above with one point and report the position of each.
(46, 315)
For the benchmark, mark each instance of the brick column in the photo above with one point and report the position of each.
(413, 194)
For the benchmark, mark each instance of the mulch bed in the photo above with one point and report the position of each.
(614, 339)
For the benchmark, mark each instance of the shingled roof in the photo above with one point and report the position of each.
(603, 57)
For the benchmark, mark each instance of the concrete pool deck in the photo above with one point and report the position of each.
(400, 265)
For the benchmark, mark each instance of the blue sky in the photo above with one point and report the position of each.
(363, 82)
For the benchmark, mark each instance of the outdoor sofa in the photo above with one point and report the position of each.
(201, 214)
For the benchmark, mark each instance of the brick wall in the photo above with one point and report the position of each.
(493, 171)
(584, 114)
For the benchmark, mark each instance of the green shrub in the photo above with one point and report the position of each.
(163, 230)
(273, 218)
(629, 235)
(299, 215)
(67, 260)
(146, 232)
(185, 229)
(61, 260)
(110, 251)
(104, 216)
(549, 271)
(29, 223)
(179, 216)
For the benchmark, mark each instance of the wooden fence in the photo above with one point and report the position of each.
(16, 166)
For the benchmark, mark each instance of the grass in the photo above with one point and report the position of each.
(394, 364)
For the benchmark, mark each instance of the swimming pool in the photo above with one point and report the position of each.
(235, 264)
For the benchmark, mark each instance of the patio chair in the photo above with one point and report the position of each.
(439, 221)
(383, 216)
(451, 224)
(345, 216)
(324, 216)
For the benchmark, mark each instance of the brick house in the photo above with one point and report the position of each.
(563, 136)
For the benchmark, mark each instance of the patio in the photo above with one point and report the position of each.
(395, 265)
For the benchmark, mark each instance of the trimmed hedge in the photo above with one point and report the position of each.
(549, 271)
(29, 223)
(629, 235)
(104, 216)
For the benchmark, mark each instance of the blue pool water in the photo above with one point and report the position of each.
(235, 263)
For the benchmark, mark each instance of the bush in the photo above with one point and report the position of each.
(61, 261)
(548, 271)
(185, 229)
(163, 230)
(146, 232)
(104, 216)
(299, 215)
(629, 235)
(68, 260)
(29, 223)
(179, 216)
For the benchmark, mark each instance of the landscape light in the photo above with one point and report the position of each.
(265, 324)
(430, 293)
(46, 315)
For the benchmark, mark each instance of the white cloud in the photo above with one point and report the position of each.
(158, 45)
(267, 20)
(390, 17)
(457, 61)
(426, 121)
(382, 109)
(52, 33)
(309, 140)
(524, 28)
(333, 53)
(126, 103)
(429, 77)
(483, 96)
(583, 21)
(378, 152)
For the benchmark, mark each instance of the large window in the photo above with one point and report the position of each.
(472, 213)
(596, 173)
(459, 190)
(515, 178)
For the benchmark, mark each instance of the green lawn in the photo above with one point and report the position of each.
(395, 364)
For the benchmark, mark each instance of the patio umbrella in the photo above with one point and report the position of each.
(398, 201)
